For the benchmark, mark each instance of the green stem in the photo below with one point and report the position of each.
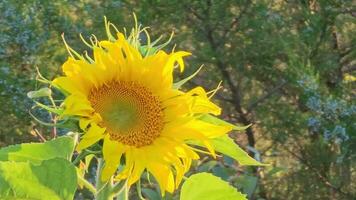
(82, 155)
(118, 188)
(53, 117)
(104, 189)
(87, 185)
(52, 101)
(138, 187)
(127, 190)
(124, 193)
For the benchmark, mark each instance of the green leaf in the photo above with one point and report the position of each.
(52, 179)
(61, 147)
(248, 184)
(223, 172)
(208, 187)
(43, 92)
(225, 145)
(151, 194)
(207, 166)
(215, 120)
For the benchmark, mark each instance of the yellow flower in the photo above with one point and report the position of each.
(129, 100)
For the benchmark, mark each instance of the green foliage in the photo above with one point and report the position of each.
(52, 179)
(208, 187)
(227, 146)
(61, 147)
(248, 184)
(38, 170)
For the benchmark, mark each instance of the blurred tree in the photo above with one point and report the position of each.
(31, 37)
(263, 51)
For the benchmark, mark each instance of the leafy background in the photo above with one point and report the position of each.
(282, 64)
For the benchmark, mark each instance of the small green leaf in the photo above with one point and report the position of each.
(215, 120)
(147, 50)
(53, 179)
(61, 147)
(43, 92)
(208, 187)
(179, 84)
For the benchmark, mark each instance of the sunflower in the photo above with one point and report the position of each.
(128, 99)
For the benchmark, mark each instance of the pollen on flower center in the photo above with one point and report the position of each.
(131, 113)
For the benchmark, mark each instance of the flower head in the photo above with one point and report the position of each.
(127, 98)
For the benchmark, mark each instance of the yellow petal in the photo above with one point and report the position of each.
(112, 152)
(184, 133)
(179, 169)
(210, 148)
(87, 72)
(207, 129)
(69, 85)
(164, 176)
(84, 122)
(94, 134)
(129, 165)
(109, 66)
(139, 166)
(77, 104)
(71, 67)
(200, 103)
(131, 53)
(184, 151)
(160, 66)
(177, 57)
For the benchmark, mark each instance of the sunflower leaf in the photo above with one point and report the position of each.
(215, 120)
(208, 187)
(52, 179)
(61, 147)
(225, 145)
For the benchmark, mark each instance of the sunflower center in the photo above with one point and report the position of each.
(130, 112)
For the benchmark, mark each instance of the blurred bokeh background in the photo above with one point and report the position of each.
(288, 67)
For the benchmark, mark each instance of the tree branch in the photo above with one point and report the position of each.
(235, 21)
(322, 178)
(266, 96)
(349, 69)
